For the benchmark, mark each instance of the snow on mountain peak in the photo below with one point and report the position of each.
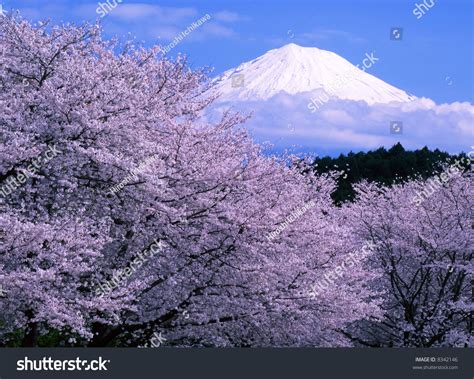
(296, 69)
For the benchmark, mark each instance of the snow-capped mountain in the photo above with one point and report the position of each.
(294, 69)
(314, 100)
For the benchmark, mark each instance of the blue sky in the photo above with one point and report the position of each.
(434, 59)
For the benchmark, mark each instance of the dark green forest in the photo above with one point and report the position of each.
(383, 166)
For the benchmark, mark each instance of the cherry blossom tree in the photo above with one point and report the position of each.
(426, 254)
(207, 194)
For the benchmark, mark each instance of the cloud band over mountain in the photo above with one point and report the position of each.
(319, 101)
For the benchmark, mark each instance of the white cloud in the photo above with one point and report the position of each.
(214, 29)
(226, 16)
(331, 34)
(164, 32)
(345, 124)
(337, 116)
(163, 24)
(319, 37)
(143, 20)
(159, 14)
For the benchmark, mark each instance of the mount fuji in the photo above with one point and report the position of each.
(314, 100)
(295, 69)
